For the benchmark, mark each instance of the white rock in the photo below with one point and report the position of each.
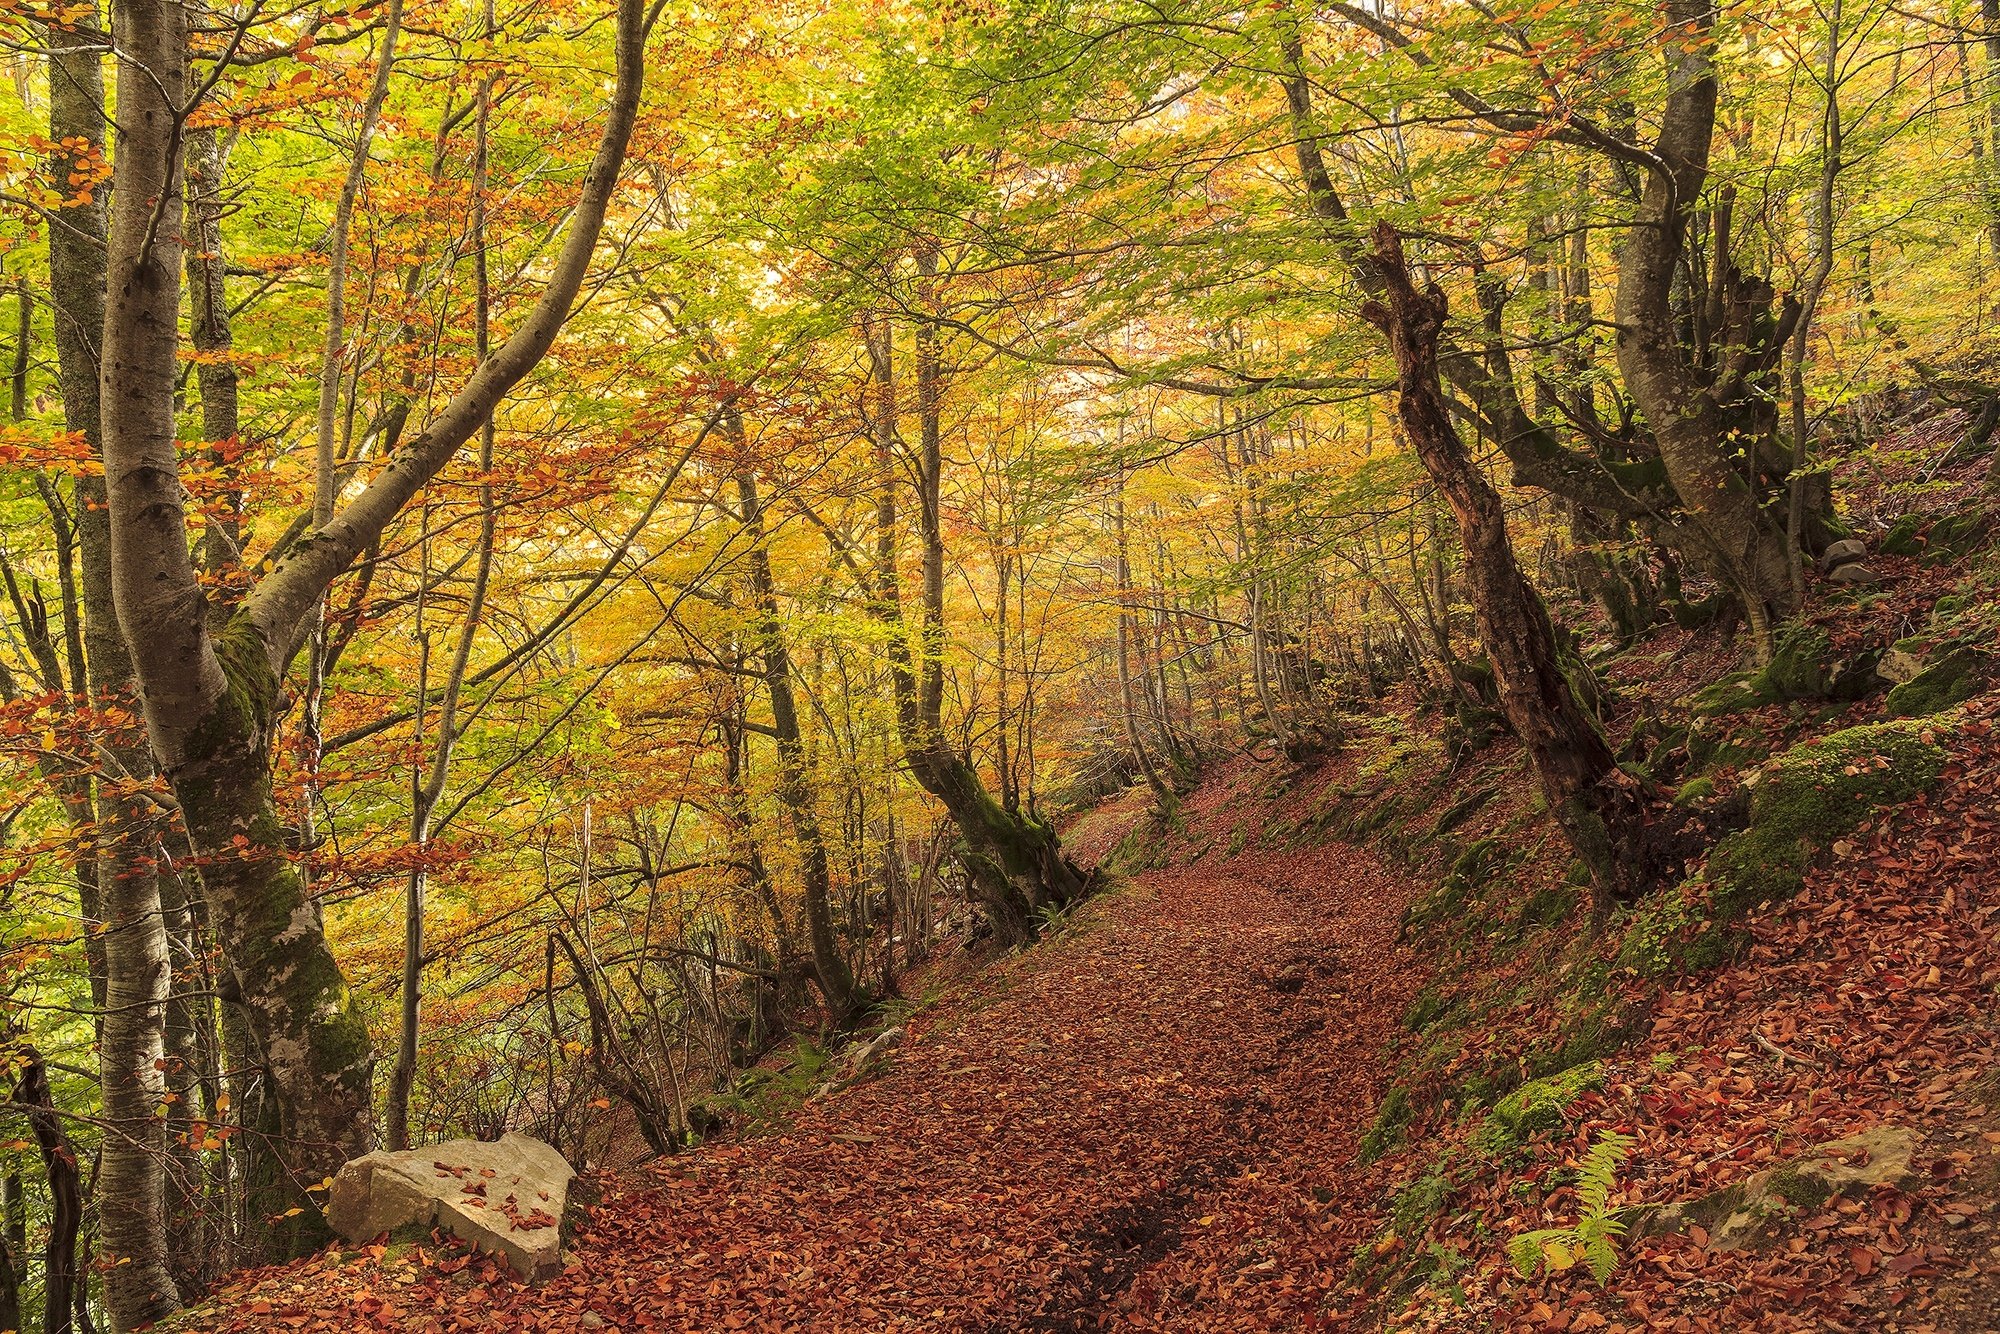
(505, 1199)
(1752, 1212)
(856, 1061)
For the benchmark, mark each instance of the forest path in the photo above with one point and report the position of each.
(1143, 1124)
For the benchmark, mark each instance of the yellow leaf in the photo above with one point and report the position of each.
(1558, 1255)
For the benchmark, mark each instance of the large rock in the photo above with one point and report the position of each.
(1750, 1212)
(866, 1058)
(1844, 552)
(1853, 573)
(505, 1199)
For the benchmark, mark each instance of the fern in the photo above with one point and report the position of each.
(1594, 1238)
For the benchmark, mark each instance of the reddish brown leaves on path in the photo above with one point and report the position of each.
(1142, 1125)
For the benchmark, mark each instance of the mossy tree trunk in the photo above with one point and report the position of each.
(1600, 808)
(211, 696)
(1742, 545)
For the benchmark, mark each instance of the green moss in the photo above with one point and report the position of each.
(1538, 1105)
(1418, 1203)
(1546, 906)
(1903, 537)
(1479, 865)
(1956, 534)
(1676, 931)
(1803, 666)
(1429, 1007)
(1807, 798)
(1694, 792)
(1390, 1126)
(1802, 1190)
(1461, 810)
(1953, 678)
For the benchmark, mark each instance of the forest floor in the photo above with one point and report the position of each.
(1146, 1123)
(1154, 1121)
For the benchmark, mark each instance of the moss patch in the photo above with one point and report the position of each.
(1391, 1125)
(1952, 679)
(1536, 1106)
(1808, 797)
(1803, 666)
(1418, 1203)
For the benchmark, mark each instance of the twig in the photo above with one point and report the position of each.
(1783, 1055)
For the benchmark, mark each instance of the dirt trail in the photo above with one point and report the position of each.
(1145, 1124)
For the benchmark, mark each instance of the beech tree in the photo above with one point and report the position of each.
(212, 697)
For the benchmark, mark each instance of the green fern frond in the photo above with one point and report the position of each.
(1598, 1174)
(1594, 1238)
(1525, 1250)
(1601, 1256)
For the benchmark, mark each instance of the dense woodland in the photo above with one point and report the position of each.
(555, 550)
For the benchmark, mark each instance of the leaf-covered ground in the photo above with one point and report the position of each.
(1150, 1122)
(1144, 1124)
(1866, 1000)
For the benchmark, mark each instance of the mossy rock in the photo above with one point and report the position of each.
(1756, 1209)
(1956, 535)
(1803, 666)
(1536, 1106)
(1718, 745)
(1808, 797)
(1904, 538)
(1955, 677)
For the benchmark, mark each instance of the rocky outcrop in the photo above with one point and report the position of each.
(505, 1199)
(1750, 1212)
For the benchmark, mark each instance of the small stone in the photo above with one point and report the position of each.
(1855, 573)
(590, 1320)
(1843, 552)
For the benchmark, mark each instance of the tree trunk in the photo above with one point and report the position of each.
(1600, 809)
(426, 794)
(138, 1288)
(1740, 545)
(132, 1176)
(62, 1272)
(10, 1279)
(209, 331)
(846, 1000)
(1163, 793)
(212, 698)
(1014, 863)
